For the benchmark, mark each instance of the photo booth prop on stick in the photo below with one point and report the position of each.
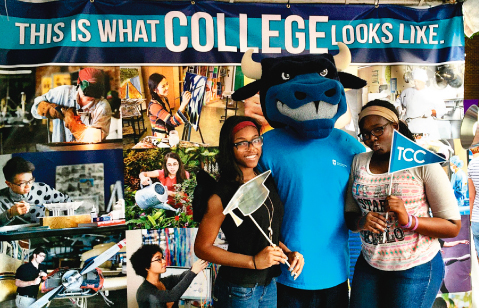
(249, 198)
(406, 154)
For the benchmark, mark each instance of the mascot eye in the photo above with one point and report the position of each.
(324, 72)
(285, 76)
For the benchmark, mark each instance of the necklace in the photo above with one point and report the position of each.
(270, 216)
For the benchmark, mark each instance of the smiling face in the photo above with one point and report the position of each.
(21, 183)
(158, 264)
(172, 165)
(162, 88)
(379, 144)
(247, 159)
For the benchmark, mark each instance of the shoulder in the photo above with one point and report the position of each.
(25, 267)
(145, 287)
(64, 88)
(187, 174)
(40, 186)
(4, 192)
(408, 90)
(104, 105)
(473, 164)
(361, 159)
(155, 103)
(347, 142)
(430, 173)
(225, 191)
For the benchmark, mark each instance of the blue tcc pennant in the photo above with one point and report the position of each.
(407, 154)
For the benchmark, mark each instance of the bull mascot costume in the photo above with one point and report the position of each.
(302, 97)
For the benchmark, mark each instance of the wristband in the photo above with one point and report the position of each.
(254, 263)
(417, 223)
(409, 223)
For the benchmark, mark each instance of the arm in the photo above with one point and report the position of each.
(23, 284)
(97, 117)
(160, 113)
(295, 260)
(185, 101)
(352, 212)
(472, 195)
(454, 243)
(18, 209)
(446, 220)
(44, 105)
(153, 296)
(172, 281)
(180, 287)
(252, 108)
(207, 232)
(145, 176)
(355, 221)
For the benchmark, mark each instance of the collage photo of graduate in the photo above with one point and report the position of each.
(239, 154)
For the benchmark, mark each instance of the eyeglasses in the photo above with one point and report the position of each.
(244, 145)
(23, 184)
(172, 165)
(158, 260)
(376, 132)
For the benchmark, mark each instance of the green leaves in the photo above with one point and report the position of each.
(136, 161)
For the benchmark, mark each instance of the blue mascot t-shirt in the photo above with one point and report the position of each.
(312, 176)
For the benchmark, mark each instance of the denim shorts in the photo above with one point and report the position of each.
(226, 294)
(415, 287)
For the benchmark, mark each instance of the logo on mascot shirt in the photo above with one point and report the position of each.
(336, 163)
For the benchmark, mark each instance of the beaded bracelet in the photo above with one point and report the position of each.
(417, 223)
(409, 223)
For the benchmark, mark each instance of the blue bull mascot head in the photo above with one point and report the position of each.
(305, 92)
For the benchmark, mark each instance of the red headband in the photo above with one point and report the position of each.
(240, 126)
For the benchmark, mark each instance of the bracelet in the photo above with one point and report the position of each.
(409, 223)
(254, 263)
(417, 223)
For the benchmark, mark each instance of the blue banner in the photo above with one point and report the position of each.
(167, 33)
(406, 154)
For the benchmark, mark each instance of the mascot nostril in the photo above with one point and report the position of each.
(300, 95)
(330, 92)
(310, 161)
